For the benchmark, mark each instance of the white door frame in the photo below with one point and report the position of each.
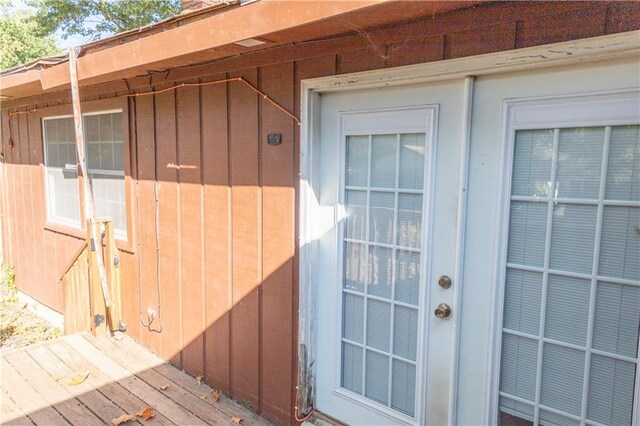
(622, 45)
(611, 108)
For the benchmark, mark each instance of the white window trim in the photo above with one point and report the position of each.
(75, 224)
(603, 48)
(544, 112)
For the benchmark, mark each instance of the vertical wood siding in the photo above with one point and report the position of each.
(223, 250)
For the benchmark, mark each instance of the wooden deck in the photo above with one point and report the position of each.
(123, 378)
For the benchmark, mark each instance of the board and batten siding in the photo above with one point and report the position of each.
(212, 207)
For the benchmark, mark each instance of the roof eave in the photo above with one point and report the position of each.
(182, 44)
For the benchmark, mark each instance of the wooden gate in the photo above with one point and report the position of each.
(84, 303)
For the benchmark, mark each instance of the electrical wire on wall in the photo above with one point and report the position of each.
(151, 314)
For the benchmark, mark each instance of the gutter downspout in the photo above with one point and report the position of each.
(89, 204)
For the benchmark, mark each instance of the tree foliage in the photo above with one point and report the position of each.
(92, 18)
(21, 38)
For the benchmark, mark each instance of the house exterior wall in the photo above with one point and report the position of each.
(220, 245)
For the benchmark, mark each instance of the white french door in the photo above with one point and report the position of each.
(571, 316)
(383, 352)
(545, 243)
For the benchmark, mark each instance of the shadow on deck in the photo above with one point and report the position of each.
(123, 378)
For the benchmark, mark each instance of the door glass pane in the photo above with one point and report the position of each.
(611, 391)
(620, 244)
(409, 220)
(617, 319)
(567, 309)
(581, 269)
(405, 332)
(527, 231)
(356, 222)
(355, 266)
(381, 212)
(562, 375)
(573, 238)
(382, 263)
(383, 161)
(353, 318)
(407, 277)
(380, 271)
(532, 162)
(523, 290)
(514, 413)
(377, 379)
(412, 150)
(403, 390)
(517, 378)
(623, 171)
(357, 164)
(378, 324)
(352, 367)
(579, 162)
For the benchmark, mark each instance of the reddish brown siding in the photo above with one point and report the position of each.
(226, 227)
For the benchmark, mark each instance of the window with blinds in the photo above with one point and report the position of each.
(382, 244)
(571, 316)
(105, 164)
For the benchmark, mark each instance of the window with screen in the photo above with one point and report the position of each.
(105, 168)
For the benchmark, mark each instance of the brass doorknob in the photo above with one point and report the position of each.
(443, 311)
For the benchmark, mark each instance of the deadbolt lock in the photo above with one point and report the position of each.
(444, 281)
(443, 311)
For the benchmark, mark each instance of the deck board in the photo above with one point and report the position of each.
(188, 383)
(122, 378)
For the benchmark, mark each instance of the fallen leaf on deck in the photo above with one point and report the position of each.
(125, 418)
(236, 419)
(165, 387)
(146, 413)
(76, 380)
(203, 397)
(215, 395)
(199, 379)
(56, 378)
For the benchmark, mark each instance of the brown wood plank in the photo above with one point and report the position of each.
(144, 371)
(49, 262)
(39, 205)
(11, 414)
(120, 396)
(21, 192)
(114, 313)
(98, 306)
(153, 397)
(623, 16)
(555, 27)
(170, 344)
(53, 393)
(278, 211)
(227, 406)
(372, 57)
(217, 228)
(189, 161)
(245, 196)
(492, 38)
(147, 253)
(425, 49)
(27, 399)
(84, 392)
(5, 189)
